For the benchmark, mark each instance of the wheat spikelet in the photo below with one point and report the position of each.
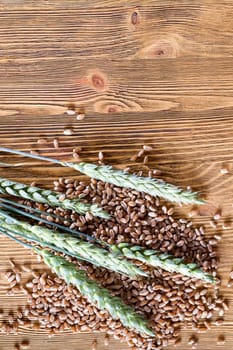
(162, 260)
(71, 245)
(96, 294)
(49, 197)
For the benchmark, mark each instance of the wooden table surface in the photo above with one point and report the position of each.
(149, 72)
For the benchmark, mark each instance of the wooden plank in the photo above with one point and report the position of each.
(181, 136)
(99, 86)
(112, 29)
(158, 74)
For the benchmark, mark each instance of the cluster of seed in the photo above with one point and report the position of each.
(168, 301)
(137, 218)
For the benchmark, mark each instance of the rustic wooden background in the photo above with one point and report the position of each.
(149, 72)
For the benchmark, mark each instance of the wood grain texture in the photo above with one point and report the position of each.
(150, 73)
(113, 29)
(119, 86)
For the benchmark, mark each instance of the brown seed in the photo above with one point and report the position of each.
(94, 345)
(24, 290)
(141, 153)
(11, 262)
(36, 153)
(41, 141)
(13, 284)
(221, 312)
(8, 274)
(56, 143)
(177, 342)
(217, 216)
(10, 277)
(226, 225)
(70, 111)
(100, 156)
(77, 149)
(224, 170)
(157, 172)
(229, 283)
(17, 277)
(202, 329)
(62, 197)
(225, 305)
(80, 116)
(193, 340)
(29, 285)
(26, 268)
(193, 213)
(36, 275)
(221, 340)
(131, 203)
(10, 319)
(133, 158)
(36, 326)
(76, 156)
(68, 132)
(106, 340)
(218, 237)
(25, 344)
(219, 321)
(213, 224)
(152, 214)
(19, 314)
(147, 148)
(207, 324)
(170, 211)
(213, 241)
(145, 159)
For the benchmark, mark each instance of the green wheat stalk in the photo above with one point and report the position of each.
(71, 245)
(165, 261)
(49, 197)
(155, 187)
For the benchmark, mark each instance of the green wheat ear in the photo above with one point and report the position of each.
(49, 197)
(95, 293)
(162, 260)
(154, 187)
(71, 245)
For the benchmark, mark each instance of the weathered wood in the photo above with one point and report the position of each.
(150, 73)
